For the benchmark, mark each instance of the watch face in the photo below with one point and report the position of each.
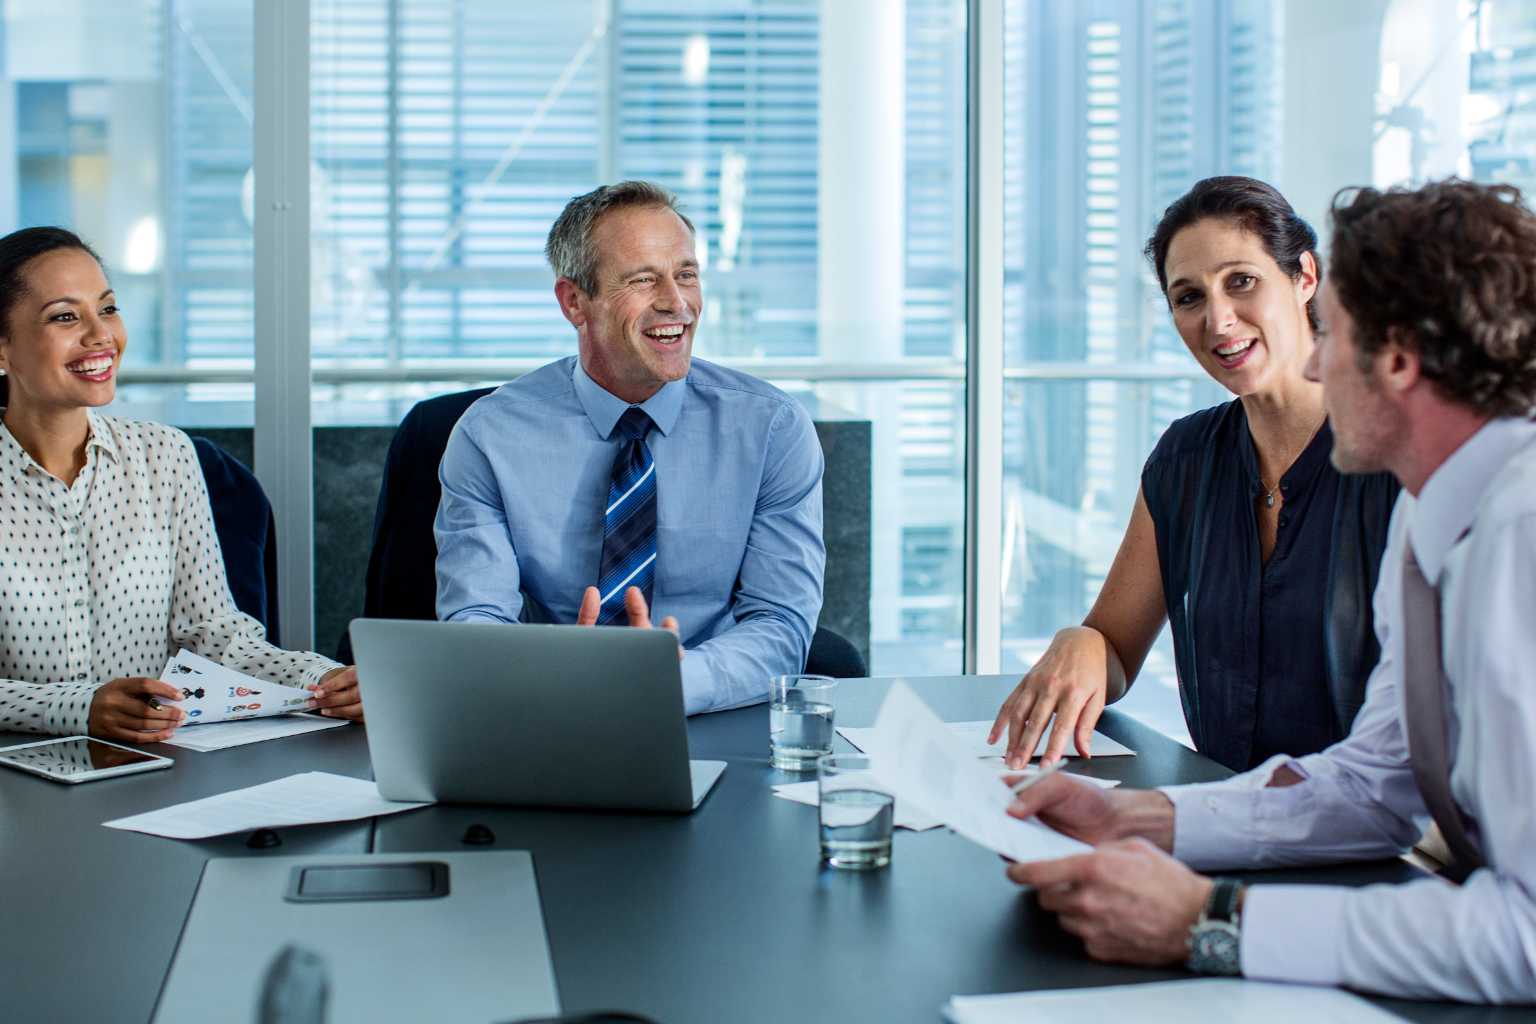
(1214, 948)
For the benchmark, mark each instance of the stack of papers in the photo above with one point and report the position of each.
(238, 734)
(1173, 1002)
(974, 736)
(936, 774)
(312, 798)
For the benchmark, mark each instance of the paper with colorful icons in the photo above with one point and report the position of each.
(213, 693)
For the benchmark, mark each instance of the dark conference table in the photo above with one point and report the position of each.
(722, 916)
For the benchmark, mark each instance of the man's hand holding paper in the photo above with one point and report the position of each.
(926, 767)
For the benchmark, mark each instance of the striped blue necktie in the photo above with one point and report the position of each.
(629, 524)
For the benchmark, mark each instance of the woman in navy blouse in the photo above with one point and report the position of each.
(1244, 538)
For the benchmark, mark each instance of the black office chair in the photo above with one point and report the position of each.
(242, 517)
(402, 577)
(832, 654)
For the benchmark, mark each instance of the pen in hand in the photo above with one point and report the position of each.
(1030, 780)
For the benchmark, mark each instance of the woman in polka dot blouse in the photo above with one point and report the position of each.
(108, 558)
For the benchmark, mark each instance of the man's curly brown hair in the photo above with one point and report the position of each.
(1452, 266)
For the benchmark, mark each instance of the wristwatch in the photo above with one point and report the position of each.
(1215, 940)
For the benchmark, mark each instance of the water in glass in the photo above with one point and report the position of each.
(799, 731)
(856, 828)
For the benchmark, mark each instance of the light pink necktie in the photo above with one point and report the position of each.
(1425, 696)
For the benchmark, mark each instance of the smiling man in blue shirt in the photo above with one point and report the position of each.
(632, 476)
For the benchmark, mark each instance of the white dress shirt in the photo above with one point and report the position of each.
(109, 576)
(1475, 943)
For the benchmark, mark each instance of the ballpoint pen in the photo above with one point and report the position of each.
(1030, 780)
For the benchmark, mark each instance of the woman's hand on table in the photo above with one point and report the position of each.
(1068, 685)
(135, 710)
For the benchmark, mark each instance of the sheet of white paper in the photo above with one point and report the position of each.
(974, 735)
(310, 798)
(809, 793)
(996, 764)
(934, 773)
(212, 693)
(220, 735)
(1172, 1002)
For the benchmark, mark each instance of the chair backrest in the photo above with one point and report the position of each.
(402, 574)
(833, 655)
(242, 517)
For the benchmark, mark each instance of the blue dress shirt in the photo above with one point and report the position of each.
(739, 548)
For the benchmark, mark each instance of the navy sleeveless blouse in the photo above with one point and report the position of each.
(1272, 658)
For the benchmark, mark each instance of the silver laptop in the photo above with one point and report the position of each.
(559, 716)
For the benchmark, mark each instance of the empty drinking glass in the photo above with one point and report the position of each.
(799, 721)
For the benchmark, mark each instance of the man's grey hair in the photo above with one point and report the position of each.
(570, 248)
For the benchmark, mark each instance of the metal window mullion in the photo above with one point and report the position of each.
(984, 338)
(283, 446)
(393, 178)
(608, 159)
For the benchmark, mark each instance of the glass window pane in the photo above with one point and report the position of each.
(130, 123)
(819, 148)
(1113, 110)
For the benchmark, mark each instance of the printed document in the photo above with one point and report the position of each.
(974, 736)
(311, 798)
(933, 772)
(1172, 1002)
(213, 693)
(237, 734)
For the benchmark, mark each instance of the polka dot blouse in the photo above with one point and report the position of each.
(109, 577)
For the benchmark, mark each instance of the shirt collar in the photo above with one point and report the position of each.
(14, 458)
(100, 436)
(604, 408)
(1448, 502)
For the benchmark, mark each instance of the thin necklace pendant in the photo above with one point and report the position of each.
(1269, 500)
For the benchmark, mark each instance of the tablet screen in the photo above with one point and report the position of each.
(74, 756)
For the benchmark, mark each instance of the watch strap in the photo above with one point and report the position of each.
(1221, 905)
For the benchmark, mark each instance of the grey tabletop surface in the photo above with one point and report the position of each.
(91, 915)
(723, 915)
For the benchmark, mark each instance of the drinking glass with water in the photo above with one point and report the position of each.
(799, 721)
(856, 814)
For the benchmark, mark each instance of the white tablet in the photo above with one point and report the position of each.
(79, 759)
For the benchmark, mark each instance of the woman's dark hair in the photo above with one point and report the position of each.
(1451, 268)
(1252, 205)
(17, 249)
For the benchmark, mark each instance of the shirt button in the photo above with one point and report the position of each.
(79, 602)
(80, 678)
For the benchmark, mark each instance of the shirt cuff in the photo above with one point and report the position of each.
(1215, 823)
(315, 673)
(68, 711)
(698, 685)
(1292, 933)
